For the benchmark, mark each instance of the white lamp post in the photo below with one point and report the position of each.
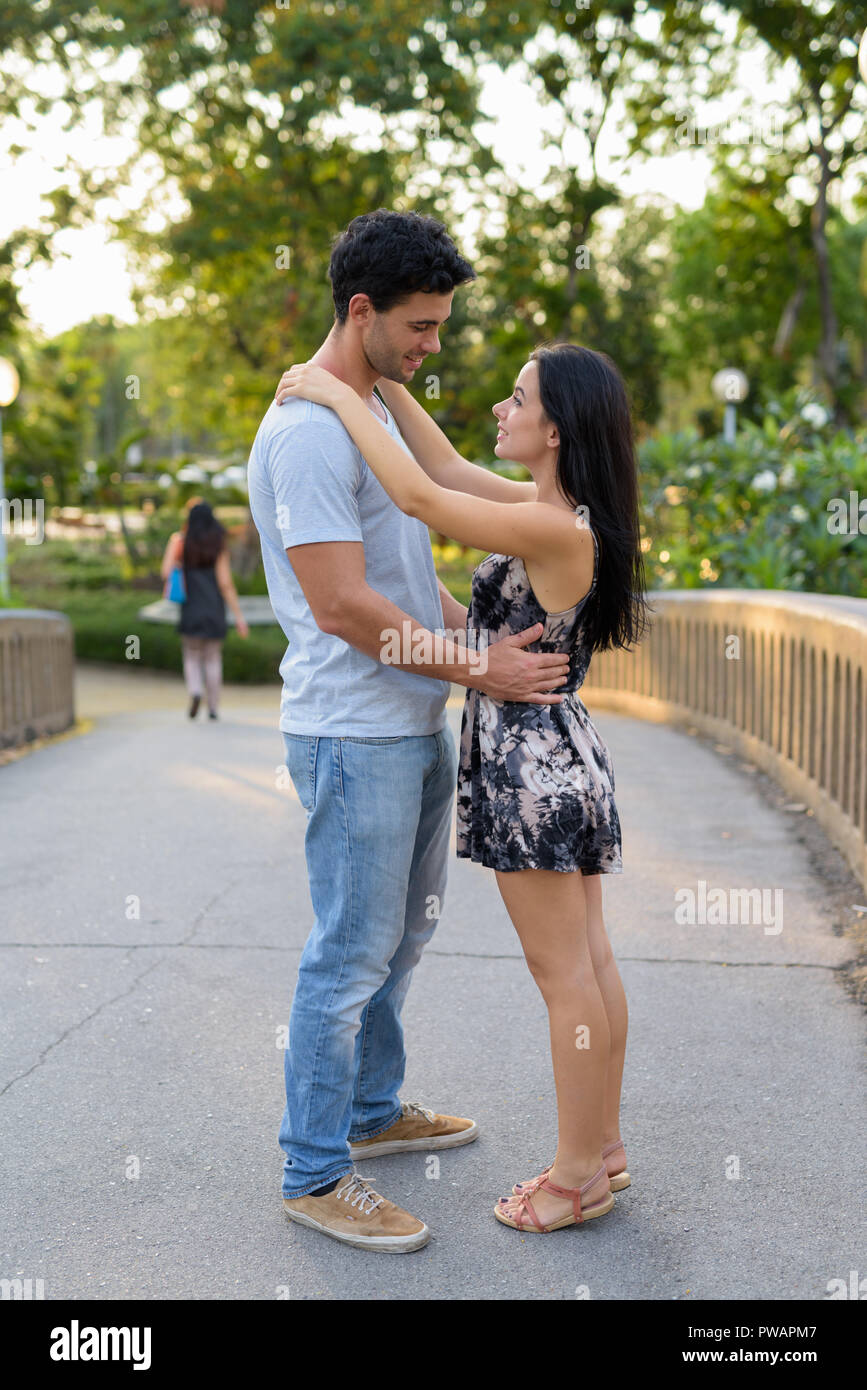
(9, 384)
(731, 386)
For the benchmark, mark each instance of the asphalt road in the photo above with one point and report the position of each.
(154, 904)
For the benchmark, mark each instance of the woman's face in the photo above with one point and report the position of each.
(524, 434)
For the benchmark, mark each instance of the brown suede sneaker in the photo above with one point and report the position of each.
(356, 1215)
(417, 1129)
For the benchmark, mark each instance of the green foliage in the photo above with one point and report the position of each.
(754, 514)
(246, 109)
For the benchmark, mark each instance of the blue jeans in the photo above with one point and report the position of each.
(379, 814)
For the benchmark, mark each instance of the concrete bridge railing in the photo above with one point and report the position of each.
(781, 677)
(37, 674)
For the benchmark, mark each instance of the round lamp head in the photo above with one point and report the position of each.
(9, 382)
(730, 385)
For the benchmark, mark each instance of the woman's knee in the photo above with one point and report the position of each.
(558, 979)
(601, 953)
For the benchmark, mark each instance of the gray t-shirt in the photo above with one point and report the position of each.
(308, 482)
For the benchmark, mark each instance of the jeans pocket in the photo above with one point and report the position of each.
(301, 762)
(351, 739)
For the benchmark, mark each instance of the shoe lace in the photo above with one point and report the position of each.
(357, 1192)
(412, 1107)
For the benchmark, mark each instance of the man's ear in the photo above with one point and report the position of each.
(360, 310)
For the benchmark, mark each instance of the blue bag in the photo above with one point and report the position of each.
(177, 589)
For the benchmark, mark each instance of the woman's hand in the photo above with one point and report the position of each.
(242, 628)
(311, 383)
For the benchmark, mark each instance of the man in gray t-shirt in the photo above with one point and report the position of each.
(368, 748)
(309, 485)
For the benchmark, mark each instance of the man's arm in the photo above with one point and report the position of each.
(331, 576)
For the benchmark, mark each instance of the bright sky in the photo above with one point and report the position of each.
(95, 279)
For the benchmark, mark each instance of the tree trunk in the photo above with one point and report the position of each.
(818, 225)
(788, 319)
(127, 538)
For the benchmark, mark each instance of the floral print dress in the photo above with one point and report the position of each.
(535, 782)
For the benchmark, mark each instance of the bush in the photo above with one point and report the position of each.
(104, 623)
(755, 514)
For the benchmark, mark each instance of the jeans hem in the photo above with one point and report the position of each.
(320, 1182)
(359, 1138)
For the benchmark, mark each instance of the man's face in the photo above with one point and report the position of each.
(396, 342)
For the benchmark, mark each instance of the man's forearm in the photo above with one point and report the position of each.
(376, 626)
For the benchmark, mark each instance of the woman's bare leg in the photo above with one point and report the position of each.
(549, 913)
(614, 999)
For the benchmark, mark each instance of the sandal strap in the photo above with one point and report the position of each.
(612, 1148)
(573, 1192)
(526, 1205)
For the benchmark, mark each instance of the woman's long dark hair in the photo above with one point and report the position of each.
(205, 537)
(584, 395)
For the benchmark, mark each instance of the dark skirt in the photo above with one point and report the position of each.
(204, 613)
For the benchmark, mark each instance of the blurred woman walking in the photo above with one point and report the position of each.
(200, 549)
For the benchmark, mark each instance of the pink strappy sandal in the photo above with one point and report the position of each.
(525, 1207)
(617, 1180)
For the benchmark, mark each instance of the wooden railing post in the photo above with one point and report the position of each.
(793, 701)
(37, 674)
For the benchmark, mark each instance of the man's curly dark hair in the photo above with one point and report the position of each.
(389, 256)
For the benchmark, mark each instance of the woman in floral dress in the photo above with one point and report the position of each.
(536, 781)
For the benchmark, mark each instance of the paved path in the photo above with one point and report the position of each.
(147, 1043)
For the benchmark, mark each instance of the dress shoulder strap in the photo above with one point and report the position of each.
(595, 560)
